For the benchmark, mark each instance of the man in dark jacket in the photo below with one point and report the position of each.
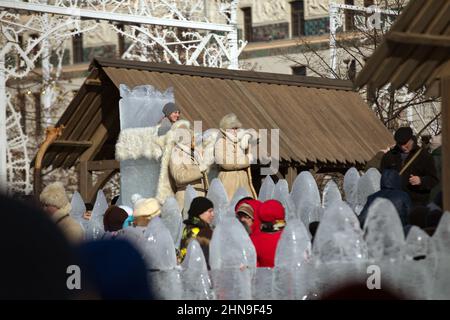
(391, 189)
(415, 166)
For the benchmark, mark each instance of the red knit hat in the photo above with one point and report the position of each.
(271, 210)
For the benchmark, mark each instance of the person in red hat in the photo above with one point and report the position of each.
(272, 215)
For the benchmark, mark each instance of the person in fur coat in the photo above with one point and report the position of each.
(231, 153)
(55, 202)
(186, 165)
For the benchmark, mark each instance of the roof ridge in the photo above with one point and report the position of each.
(243, 75)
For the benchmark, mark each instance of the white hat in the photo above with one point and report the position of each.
(147, 208)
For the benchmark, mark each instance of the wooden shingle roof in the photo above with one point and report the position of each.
(320, 120)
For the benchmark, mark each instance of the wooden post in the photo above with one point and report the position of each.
(445, 110)
(291, 175)
(84, 180)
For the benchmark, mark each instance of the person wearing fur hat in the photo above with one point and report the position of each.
(201, 214)
(186, 166)
(55, 202)
(231, 153)
(171, 115)
(272, 215)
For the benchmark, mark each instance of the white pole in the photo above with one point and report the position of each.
(333, 26)
(46, 94)
(233, 37)
(3, 139)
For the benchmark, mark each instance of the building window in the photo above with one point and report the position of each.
(349, 16)
(299, 70)
(77, 48)
(298, 18)
(248, 32)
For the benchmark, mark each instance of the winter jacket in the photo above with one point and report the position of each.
(234, 162)
(271, 214)
(71, 228)
(186, 169)
(423, 166)
(391, 189)
(196, 229)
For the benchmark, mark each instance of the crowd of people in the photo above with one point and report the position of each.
(409, 178)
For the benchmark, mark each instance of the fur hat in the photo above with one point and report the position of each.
(147, 208)
(54, 195)
(230, 121)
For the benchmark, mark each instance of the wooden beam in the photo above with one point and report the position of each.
(101, 181)
(418, 39)
(445, 109)
(72, 143)
(291, 175)
(84, 180)
(103, 165)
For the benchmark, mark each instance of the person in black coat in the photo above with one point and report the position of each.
(419, 176)
(391, 189)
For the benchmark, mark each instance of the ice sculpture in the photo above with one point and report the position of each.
(139, 108)
(238, 195)
(171, 217)
(95, 228)
(267, 189)
(281, 189)
(385, 240)
(351, 179)
(339, 237)
(281, 193)
(417, 271)
(232, 258)
(194, 274)
(161, 261)
(441, 255)
(262, 284)
(331, 194)
(306, 197)
(78, 210)
(293, 252)
(189, 195)
(218, 196)
(418, 244)
(369, 183)
(383, 231)
(339, 250)
(139, 175)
